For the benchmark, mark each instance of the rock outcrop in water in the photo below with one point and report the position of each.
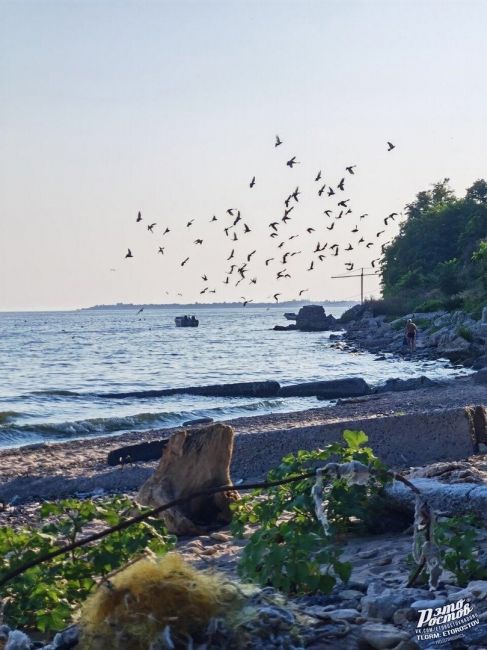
(311, 318)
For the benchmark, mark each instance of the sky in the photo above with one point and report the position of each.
(171, 107)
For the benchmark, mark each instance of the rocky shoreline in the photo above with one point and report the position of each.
(454, 336)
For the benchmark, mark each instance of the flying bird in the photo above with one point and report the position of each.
(204, 278)
(198, 241)
(362, 216)
(369, 244)
(184, 261)
(318, 176)
(331, 226)
(331, 192)
(278, 141)
(341, 185)
(166, 231)
(311, 266)
(140, 311)
(349, 266)
(350, 169)
(231, 254)
(354, 229)
(327, 212)
(269, 260)
(230, 211)
(303, 291)
(246, 229)
(321, 190)
(381, 232)
(161, 250)
(310, 230)
(274, 225)
(391, 216)
(139, 217)
(129, 253)
(252, 182)
(276, 297)
(190, 223)
(295, 194)
(213, 219)
(292, 162)
(349, 248)
(343, 204)
(151, 227)
(390, 146)
(249, 256)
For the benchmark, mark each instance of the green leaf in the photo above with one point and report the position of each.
(355, 439)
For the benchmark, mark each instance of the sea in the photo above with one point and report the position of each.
(56, 368)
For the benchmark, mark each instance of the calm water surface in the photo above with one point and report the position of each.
(53, 363)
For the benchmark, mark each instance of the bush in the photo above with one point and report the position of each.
(465, 333)
(291, 550)
(44, 597)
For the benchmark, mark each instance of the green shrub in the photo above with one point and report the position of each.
(45, 596)
(433, 304)
(290, 549)
(457, 538)
(465, 333)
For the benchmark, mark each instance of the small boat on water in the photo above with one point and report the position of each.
(289, 316)
(186, 321)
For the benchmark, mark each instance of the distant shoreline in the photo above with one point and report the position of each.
(220, 305)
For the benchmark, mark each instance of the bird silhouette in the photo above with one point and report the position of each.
(246, 229)
(161, 250)
(287, 211)
(213, 219)
(129, 253)
(318, 176)
(290, 163)
(190, 223)
(343, 204)
(390, 146)
(350, 169)
(327, 212)
(252, 182)
(204, 278)
(150, 227)
(269, 260)
(246, 302)
(231, 254)
(276, 297)
(253, 281)
(381, 232)
(391, 216)
(341, 185)
(303, 291)
(331, 192)
(295, 194)
(331, 226)
(278, 141)
(226, 281)
(249, 256)
(354, 229)
(311, 266)
(237, 219)
(322, 189)
(204, 290)
(274, 225)
(369, 244)
(335, 254)
(349, 266)
(235, 238)
(362, 216)
(230, 211)
(166, 231)
(361, 240)
(139, 217)
(198, 241)
(274, 234)
(184, 261)
(140, 311)
(349, 248)
(310, 230)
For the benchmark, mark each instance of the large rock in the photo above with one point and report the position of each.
(332, 389)
(193, 461)
(312, 318)
(143, 451)
(238, 389)
(480, 377)
(398, 385)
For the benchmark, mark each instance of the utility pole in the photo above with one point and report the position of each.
(361, 275)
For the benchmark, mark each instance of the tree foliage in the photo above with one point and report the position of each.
(438, 253)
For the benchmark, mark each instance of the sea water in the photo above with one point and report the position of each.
(56, 366)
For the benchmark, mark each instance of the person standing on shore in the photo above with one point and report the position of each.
(410, 332)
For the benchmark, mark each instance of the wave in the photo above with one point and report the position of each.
(107, 426)
(54, 392)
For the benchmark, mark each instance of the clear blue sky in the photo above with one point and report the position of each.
(107, 108)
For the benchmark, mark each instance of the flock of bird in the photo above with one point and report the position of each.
(235, 227)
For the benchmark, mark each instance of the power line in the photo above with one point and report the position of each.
(361, 275)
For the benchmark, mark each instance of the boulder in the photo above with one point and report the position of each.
(398, 385)
(480, 362)
(238, 389)
(312, 318)
(193, 461)
(480, 377)
(332, 389)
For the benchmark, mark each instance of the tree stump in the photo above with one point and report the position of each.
(193, 461)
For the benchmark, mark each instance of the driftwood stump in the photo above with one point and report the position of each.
(193, 461)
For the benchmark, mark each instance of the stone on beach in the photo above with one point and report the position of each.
(193, 461)
(331, 389)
